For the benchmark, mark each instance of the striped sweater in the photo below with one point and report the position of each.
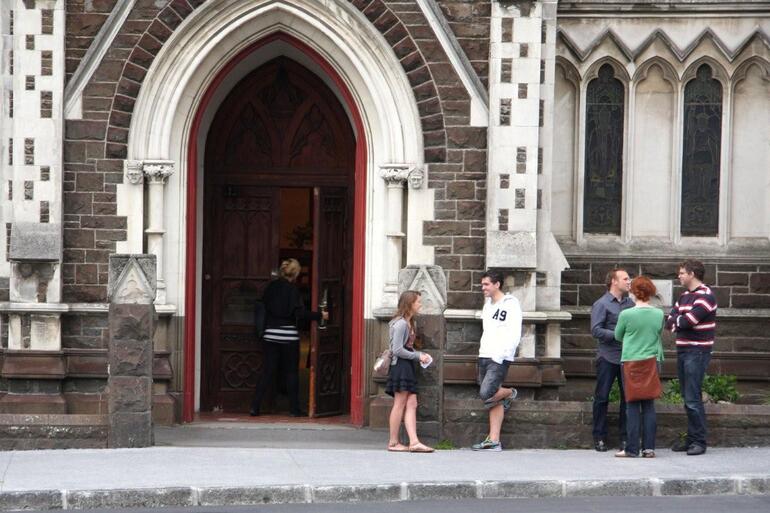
(693, 319)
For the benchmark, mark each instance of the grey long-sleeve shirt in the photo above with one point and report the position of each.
(604, 318)
(399, 335)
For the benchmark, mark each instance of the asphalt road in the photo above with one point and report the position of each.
(733, 504)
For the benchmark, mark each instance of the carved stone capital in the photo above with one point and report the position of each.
(416, 178)
(395, 174)
(157, 171)
(133, 171)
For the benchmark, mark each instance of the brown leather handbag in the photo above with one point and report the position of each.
(641, 381)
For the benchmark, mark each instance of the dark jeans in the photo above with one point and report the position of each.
(606, 374)
(647, 423)
(691, 367)
(285, 356)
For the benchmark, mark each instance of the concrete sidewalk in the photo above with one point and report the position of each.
(181, 474)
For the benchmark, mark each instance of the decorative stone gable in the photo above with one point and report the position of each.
(430, 281)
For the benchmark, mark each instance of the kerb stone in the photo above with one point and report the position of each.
(142, 497)
(362, 493)
(247, 496)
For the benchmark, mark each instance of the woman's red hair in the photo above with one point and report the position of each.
(643, 288)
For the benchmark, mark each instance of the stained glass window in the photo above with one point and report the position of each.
(603, 153)
(701, 154)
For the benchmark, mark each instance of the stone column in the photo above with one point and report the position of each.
(430, 281)
(156, 173)
(395, 176)
(131, 292)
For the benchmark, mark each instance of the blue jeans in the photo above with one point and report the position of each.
(691, 368)
(606, 374)
(647, 423)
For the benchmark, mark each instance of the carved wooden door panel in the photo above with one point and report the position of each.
(241, 251)
(329, 362)
(280, 126)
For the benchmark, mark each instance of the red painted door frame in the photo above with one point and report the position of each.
(359, 230)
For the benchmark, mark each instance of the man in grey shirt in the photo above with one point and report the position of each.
(604, 317)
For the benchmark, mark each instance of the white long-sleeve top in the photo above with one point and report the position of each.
(502, 329)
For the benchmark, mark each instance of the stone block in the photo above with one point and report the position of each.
(747, 301)
(588, 294)
(461, 190)
(233, 496)
(430, 281)
(732, 279)
(432, 331)
(442, 491)
(609, 488)
(136, 498)
(35, 500)
(511, 249)
(357, 493)
(130, 430)
(760, 283)
(521, 489)
(132, 279)
(130, 357)
(755, 486)
(131, 321)
(710, 486)
(129, 394)
(35, 242)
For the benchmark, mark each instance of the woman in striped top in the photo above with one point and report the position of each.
(284, 310)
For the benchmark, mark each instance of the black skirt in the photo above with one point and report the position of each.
(402, 377)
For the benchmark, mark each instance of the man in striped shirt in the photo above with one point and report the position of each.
(693, 319)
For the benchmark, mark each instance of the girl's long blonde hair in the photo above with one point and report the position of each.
(405, 302)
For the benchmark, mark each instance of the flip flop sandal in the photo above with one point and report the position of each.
(398, 448)
(420, 448)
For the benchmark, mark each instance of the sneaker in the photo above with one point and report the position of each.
(487, 445)
(625, 454)
(508, 401)
(696, 450)
(680, 446)
(600, 446)
(648, 453)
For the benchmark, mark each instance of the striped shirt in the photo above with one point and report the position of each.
(693, 319)
(281, 334)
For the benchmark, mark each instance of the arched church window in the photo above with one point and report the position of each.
(701, 153)
(603, 189)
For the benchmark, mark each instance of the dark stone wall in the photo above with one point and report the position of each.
(95, 146)
(742, 344)
(735, 285)
(469, 21)
(84, 20)
(567, 425)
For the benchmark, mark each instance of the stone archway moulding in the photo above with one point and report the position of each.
(171, 106)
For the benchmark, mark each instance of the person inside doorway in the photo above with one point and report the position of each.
(284, 312)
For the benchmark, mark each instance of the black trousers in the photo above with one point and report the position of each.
(285, 357)
(606, 374)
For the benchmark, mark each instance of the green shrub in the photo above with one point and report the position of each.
(671, 393)
(444, 445)
(719, 387)
(615, 393)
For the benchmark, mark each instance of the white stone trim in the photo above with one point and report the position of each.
(197, 51)
(459, 61)
(73, 93)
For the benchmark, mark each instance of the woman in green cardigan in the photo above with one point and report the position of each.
(639, 330)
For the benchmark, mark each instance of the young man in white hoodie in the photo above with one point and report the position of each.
(501, 319)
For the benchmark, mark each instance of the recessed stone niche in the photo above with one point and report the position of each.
(35, 287)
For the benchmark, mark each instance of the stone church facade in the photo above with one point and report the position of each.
(414, 143)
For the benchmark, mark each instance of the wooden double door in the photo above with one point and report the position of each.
(281, 130)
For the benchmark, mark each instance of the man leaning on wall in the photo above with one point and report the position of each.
(604, 317)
